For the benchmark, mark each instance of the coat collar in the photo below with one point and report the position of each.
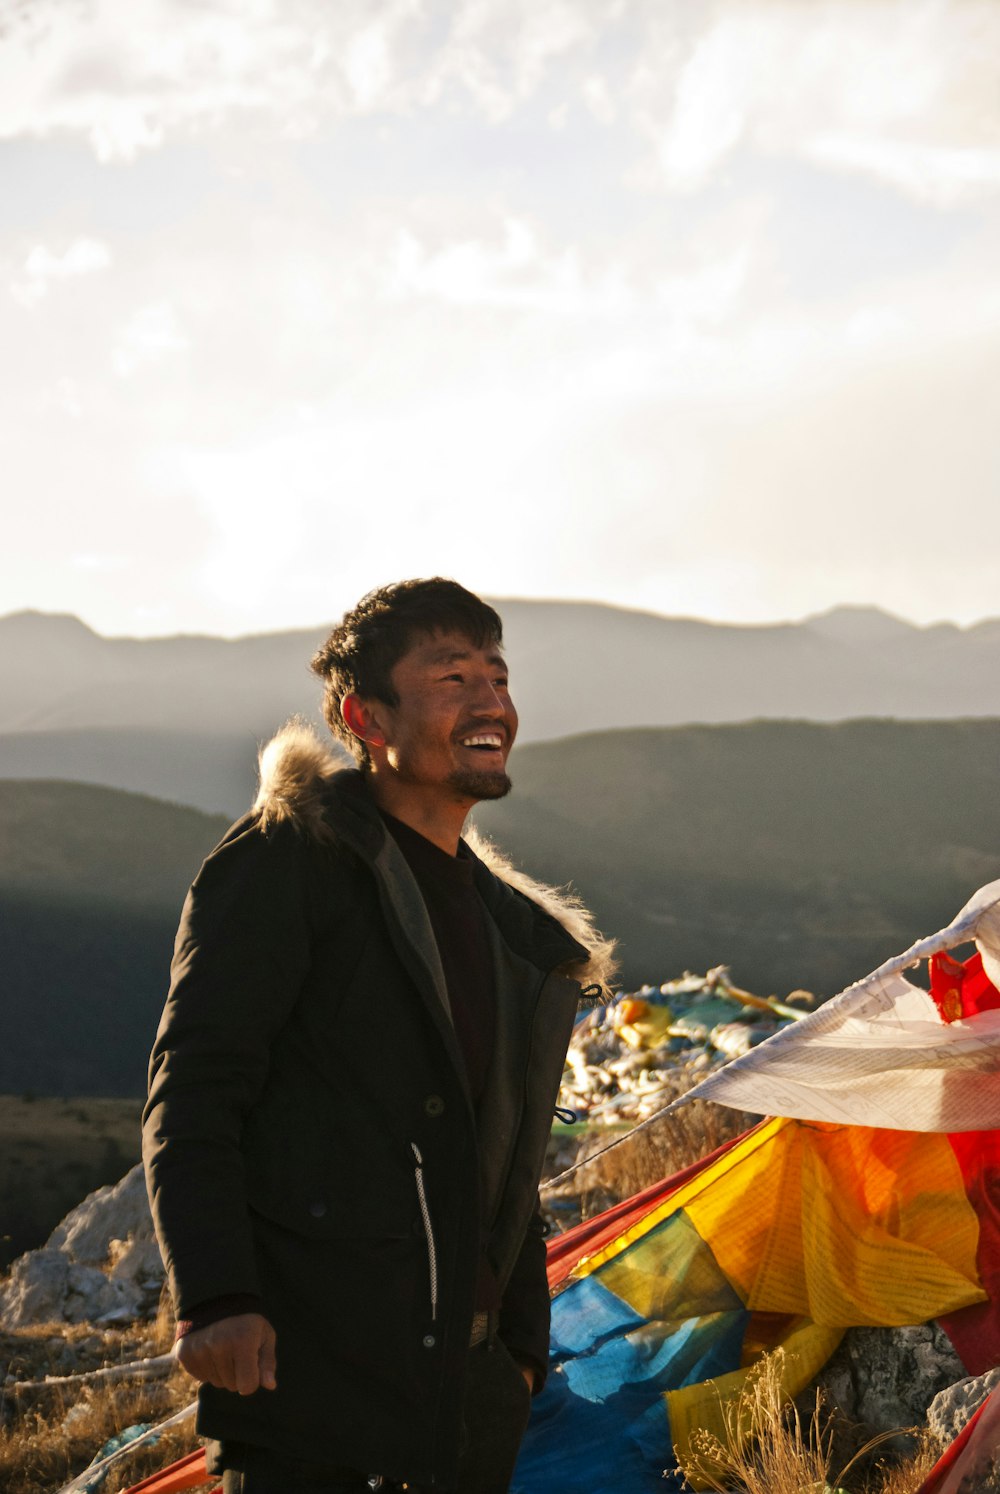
(302, 782)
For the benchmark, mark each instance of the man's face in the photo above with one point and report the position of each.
(454, 723)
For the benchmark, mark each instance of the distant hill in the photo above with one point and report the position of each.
(576, 667)
(56, 674)
(800, 854)
(91, 884)
(212, 772)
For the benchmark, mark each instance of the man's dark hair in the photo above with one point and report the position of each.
(360, 653)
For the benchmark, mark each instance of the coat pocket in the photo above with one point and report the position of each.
(329, 1211)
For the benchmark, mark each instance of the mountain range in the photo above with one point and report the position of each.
(181, 718)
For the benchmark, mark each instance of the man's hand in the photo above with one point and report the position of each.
(528, 1373)
(235, 1353)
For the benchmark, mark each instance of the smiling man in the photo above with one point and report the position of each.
(353, 1083)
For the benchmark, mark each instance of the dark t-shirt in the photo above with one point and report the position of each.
(458, 919)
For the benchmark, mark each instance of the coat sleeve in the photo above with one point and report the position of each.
(525, 1311)
(241, 955)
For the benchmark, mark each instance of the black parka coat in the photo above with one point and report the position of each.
(309, 1136)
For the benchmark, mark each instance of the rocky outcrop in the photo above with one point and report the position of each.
(100, 1265)
(886, 1378)
(952, 1408)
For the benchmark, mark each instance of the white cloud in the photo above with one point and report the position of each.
(515, 273)
(152, 334)
(598, 98)
(368, 65)
(906, 94)
(42, 267)
(708, 295)
(127, 73)
(941, 175)
(709, 114)
(81, 258)
(499, 52)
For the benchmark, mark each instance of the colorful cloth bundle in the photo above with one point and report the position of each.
(788, 1236)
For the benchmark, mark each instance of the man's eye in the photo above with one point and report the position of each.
(502, 684)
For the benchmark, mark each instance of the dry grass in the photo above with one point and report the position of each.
(50, 1434)
(666, 1147)
(766, 1448)
(906, 1477)
(769, 1448)
(643, 1158)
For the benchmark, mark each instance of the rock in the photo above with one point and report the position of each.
(36, 1289)
(137, 1262)
(888, 1377)
(78, 1416)
(116, 1212)
(91, 1297)
(952, 1408)
(100, 1265)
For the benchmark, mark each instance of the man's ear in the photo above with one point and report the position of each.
(361, 720)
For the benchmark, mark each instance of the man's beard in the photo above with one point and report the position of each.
(473, 784)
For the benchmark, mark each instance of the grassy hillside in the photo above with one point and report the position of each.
(91, 884)
(76, 840)
(800, 854)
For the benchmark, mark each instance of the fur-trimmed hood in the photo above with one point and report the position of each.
(296, 771)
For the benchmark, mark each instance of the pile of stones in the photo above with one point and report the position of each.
(630, 1058)
(100, 1265)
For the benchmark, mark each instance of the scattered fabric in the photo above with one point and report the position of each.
(788, 1236)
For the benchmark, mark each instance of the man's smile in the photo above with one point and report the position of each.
(483, 741)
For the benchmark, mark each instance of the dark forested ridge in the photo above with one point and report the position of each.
(91, 884)
(800, 854)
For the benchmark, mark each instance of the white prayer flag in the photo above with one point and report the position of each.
(880, 1054)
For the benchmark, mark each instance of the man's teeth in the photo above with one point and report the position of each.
(484, 741)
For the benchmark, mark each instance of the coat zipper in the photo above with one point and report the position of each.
(425, 1214)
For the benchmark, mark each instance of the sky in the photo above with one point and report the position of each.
(689, 307)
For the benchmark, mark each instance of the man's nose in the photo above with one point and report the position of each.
(487, 701)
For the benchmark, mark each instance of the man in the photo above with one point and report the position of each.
(353, 1083)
